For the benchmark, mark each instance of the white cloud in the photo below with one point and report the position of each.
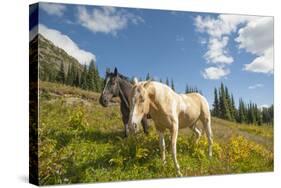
(107, 20)
(218, 30)
(257, 38)
(255, 86)
(222, 25)
(63, 41)
(215, 73)
(255, 35)
(53, 8)
(262, 64)
(217, 53)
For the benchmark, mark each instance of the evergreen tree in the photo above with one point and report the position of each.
(271, 113)
(97, 80)
(172, 84)
(224, 110)
(228, 104)
(84, 84)
(69, 76)
(233, 108)
(91, 84)
(167, 82)
(160, 80)
(186, 89)
(77, 79)
(240, 117)
(71, 73)
(258, 115)
(61, 74)
(216, 104)
(147, 77)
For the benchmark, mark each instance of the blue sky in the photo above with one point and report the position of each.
(197, 49)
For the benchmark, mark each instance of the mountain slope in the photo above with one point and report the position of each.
(50, 58)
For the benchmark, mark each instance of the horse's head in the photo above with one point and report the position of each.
(111, 87)
(139, 105)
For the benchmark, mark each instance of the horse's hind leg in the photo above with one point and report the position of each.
(197, 134)
(144, 123)
(196, 131)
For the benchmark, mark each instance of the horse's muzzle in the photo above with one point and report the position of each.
(132, 128)
(103, 101)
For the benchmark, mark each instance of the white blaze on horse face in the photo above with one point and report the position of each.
(107, 80)
(136, 108)
(136, 115)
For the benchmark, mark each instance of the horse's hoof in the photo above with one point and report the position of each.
(179, 174)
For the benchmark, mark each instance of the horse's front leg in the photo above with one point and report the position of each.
(144, 123)
(125, 120)
(162, 146)
(174, 134)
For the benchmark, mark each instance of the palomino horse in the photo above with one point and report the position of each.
(118, 85)
(169, 110)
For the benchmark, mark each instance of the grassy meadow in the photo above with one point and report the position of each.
(80, 141)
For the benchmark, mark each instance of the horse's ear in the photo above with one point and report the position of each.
(135, 81)
(115, 71)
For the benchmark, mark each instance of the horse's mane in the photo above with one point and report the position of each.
(120, 76)
(123, 77)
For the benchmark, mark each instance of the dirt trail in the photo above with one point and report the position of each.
(224, 132)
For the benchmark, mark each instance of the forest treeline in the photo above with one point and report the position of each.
(88, 78)
(224, 107)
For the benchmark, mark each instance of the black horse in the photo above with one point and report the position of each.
(115, 84)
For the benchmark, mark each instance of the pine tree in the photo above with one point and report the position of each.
(240, 117)
(91, 76)
(84, 84)
(167, 82)
(147, 77)
(172, 84)
(258, 115)
(71, 74)
(228, 104)
(77, 79)
(61, 74)
(233, 108)
(186, 89)
(160, 80)
(97, 80)
(224, 110)
(216, 104)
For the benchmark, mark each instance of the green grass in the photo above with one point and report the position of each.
(80, 141)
